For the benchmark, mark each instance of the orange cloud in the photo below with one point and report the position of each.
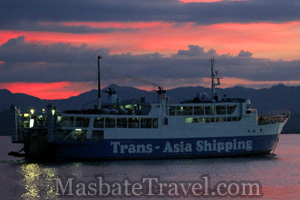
(189, 1)
(264, 40)
(6, 35)
(58, 90)
(207, 1)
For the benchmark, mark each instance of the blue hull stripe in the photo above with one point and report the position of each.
(164, 148)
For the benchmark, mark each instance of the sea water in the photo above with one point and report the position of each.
(278, 176)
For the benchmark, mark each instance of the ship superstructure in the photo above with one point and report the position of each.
(202, 127)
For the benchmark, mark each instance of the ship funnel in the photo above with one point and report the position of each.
(161, 94)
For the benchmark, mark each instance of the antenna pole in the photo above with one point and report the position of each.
(212, 79)
(99, 87)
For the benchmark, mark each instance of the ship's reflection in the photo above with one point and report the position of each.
(38, 181)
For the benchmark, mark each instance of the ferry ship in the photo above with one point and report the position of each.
(205, 126)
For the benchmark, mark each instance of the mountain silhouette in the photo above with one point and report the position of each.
(275, 98)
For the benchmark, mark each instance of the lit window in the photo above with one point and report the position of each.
(188, 120)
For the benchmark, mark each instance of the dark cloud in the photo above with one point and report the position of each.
(245, 54)
(25, 15)
(26, 25)
(25, 62)
(195, 50)
(17, 50)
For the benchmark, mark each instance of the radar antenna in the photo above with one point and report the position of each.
(214, 76)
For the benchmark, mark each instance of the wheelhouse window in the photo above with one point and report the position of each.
(122, 123)
(110, 122)
(82, 121)
(199, 110)
(179, 110)
(172, 110)
(146, 122)
(187, 110)
(133, 123)
(221, 110)
(99, 122)
(210, 110)
(231, 109)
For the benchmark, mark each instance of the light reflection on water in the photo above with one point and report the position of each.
(279, 175)
(38, 179)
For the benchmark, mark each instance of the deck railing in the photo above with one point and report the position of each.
(273, 117)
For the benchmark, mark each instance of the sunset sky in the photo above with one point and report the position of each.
(49, 49)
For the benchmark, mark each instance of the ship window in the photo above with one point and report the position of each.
(234, 119)
(207, 120)
(188, 120)
(229, 119)
(221, 110)
(230, 109)
(195, 120)
(146, 123)
(239, 118)
(110, 122)
(210, 110)
(82, 121)
(67, 121)
(201, 120)
(172, 110)
(129, 107)
(80, 135)
(166, 121)
(212, 119)
(224, 119)
(99, 122)
(187, 110)
(219, 119)
(179, 110)
(133, 123)
(122, 122)
(63, 135)
(155, 123)
(97, 136)
(199, 110)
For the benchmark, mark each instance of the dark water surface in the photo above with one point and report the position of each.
(279, 175)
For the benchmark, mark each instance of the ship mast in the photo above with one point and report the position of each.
(214, 75)
(99, 88)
